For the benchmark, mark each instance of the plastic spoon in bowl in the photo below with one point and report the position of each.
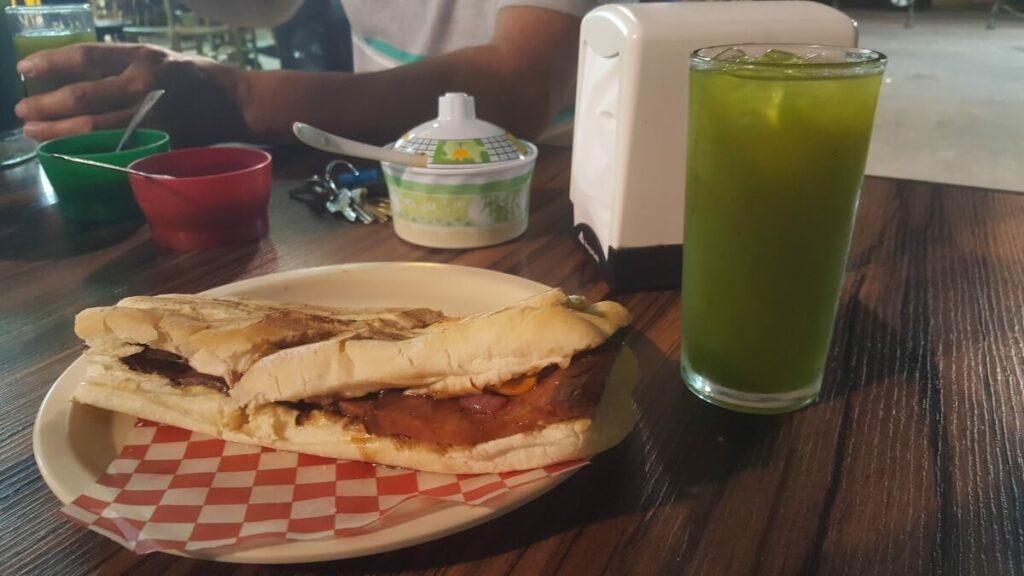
(147, 104)
(328, 142)
(111, 167)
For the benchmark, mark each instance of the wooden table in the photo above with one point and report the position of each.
(911, 463)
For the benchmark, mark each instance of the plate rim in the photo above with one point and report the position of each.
(438, 524)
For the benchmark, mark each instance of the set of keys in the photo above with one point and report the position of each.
(343, 191)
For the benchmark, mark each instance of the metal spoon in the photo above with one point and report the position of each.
(111, 167)
(328, 142)
(147, 104)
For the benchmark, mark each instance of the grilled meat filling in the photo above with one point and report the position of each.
(173, 367)
(560, 394)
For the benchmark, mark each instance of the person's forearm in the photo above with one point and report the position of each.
(378, 107)
(517, 79)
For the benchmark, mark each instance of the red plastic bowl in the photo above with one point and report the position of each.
(219, 197)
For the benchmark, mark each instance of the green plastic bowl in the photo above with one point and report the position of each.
(89, 193)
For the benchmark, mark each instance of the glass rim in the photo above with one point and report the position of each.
(47, 8)
(873, 57)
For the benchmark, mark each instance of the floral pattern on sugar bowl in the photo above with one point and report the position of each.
(500, 148)
(470, 204)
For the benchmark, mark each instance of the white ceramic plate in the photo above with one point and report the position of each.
(73, 444)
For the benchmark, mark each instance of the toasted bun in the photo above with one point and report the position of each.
(225, 337)
(449, 359)
(112, 386)
(109, 384)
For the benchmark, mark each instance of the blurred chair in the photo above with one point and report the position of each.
(908, 5)
(318, 37)
(108, 17)
(1001, 6)
(181, 29)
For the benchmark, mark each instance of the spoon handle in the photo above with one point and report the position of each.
(108, 166)
(147, 103)
(330, 143)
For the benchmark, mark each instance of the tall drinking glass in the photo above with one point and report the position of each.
(778, 138)
(14, 147)
(38, 28)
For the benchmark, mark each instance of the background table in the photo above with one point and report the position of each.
(911, 463)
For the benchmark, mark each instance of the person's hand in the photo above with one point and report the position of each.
(110, 80)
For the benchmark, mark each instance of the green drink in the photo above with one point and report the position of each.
(9, 93)
(33, 41)
(777, 143)
(14, 146)
(36, 28)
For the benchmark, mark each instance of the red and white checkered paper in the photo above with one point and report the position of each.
(175, 490)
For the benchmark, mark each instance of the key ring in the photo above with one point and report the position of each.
(329, 173)
(341, 191)
(313, 193)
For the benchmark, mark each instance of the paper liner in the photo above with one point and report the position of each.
(174, 490)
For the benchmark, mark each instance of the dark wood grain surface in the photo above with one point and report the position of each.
(911, 463)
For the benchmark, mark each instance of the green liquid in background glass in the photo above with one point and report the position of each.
(33, 41)
(10, 82)
(774, 169)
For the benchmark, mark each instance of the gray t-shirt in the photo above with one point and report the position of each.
(390, 33)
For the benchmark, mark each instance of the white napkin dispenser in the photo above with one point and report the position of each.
(629, 139)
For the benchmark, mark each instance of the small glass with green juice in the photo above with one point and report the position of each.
(14, 146)
(36, 28)
(777, 143)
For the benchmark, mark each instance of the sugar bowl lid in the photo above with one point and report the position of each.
(458, 138)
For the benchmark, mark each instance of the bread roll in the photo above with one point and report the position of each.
(225, 337)
(269, 352)
(450, 359)
(112, 386)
